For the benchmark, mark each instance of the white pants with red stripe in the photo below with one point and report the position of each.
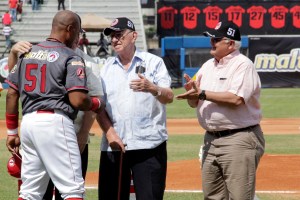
(50, 149)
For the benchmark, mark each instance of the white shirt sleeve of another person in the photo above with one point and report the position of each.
(93, 79)
(95, 88)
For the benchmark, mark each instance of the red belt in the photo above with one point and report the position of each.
(45, 111)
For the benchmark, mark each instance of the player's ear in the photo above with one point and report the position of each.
(69, 28)
(231, 43)
(134, 35)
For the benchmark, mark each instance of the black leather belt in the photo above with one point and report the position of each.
(229, 131)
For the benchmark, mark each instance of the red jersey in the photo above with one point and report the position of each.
(83, 41)
(278, 14)
(256, 18)
(212, 16)
(296, 16)
(235, 14)
(13, 3)
(6, 19)
(167, 16)
(190, 16)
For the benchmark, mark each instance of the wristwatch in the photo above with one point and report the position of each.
(202, 95)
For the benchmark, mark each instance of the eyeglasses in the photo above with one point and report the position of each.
(216, 40)
(119, 35)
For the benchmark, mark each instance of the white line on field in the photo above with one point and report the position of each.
(200, 191)
(269, 192)
(283, 155)
(279, 192)
(185, 191)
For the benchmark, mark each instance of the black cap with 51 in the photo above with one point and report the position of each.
(119, 24)
(226, 29)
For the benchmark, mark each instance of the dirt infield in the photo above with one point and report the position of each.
(191, 126)
(275, 172)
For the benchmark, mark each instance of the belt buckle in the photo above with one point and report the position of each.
(216, 133)
(221, 133)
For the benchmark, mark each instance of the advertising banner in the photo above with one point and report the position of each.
(277, 60)
(273, 29)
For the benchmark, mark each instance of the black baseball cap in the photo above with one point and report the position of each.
(81, 30)
(119, 24)
(226, 29)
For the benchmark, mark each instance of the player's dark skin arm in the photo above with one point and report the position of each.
(83, 133)
(12, 101)
(80, 100)
(104, 122)
(20, 47)
(12, 105)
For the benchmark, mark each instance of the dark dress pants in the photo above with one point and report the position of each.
(147, 166)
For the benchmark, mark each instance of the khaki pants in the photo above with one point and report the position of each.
(229, 164)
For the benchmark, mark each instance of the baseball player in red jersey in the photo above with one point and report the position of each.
(50, 80)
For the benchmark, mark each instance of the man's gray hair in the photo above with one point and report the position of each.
(237, 44)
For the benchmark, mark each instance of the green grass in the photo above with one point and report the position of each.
(184, 147)
(275, 103)
(180, 108)
(94, 154)
(280, 103)
(278, 196)
(8, 184)
(282, 144)
(92, 195)
(183, 196)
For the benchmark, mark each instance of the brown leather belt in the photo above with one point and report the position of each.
(229, 131)
(45, 111)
